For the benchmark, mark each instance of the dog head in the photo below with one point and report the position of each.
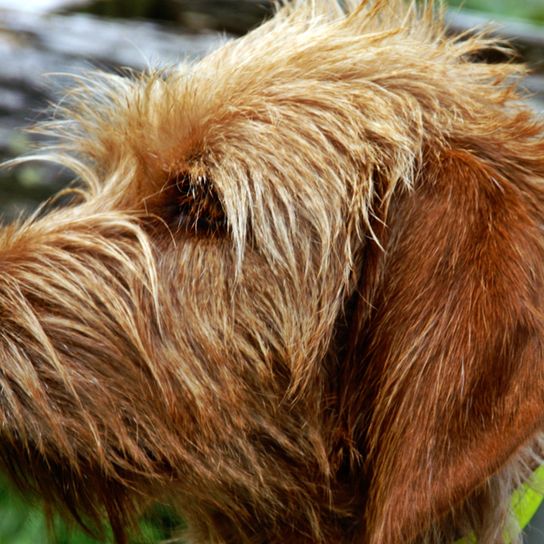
(298, 293)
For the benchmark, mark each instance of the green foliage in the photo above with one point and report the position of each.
(22, 522)
(532, 10)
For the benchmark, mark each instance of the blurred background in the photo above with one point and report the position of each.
(43, 37)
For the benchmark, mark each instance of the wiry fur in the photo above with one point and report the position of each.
(300, 296)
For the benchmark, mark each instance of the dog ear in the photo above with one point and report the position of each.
(454, 342)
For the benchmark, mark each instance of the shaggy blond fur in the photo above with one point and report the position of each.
(299, 296)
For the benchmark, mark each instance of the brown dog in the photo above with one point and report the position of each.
(300, 296)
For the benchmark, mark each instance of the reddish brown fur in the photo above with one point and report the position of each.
(300, 296)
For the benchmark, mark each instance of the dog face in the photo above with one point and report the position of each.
(298, 295)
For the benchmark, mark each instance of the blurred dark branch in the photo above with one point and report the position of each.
(234, 16)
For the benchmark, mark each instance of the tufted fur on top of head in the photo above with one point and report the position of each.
(300, 296)
(375, 81)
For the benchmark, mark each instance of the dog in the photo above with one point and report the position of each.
(298, 292)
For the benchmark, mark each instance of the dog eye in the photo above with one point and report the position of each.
(196, 207)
